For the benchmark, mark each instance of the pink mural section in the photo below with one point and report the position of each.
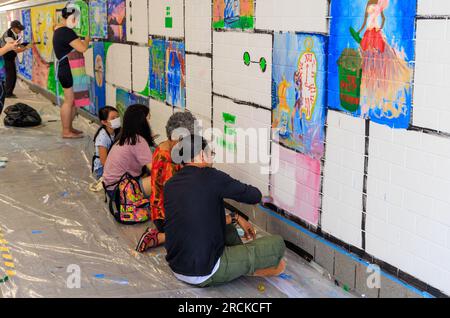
(295, 183)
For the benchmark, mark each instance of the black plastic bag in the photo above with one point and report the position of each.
(21, 115)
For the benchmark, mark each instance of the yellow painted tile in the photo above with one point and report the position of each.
(11, 273)
(4, 249)
(7, 256)
(9, 264)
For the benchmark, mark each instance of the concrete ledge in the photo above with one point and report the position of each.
(349, 270)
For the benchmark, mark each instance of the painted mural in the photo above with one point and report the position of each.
(124, 99)
(98, 85)
(233, 14)
(25, 59)
(98, 16)
(82, 28)
(93, 105)
(296, 186)
(117, 20)
(371, 54)
(175, 74)
(298, 91)
(43, 20)
(157, 81)
(40, 69)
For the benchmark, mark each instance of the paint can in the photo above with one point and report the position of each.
(350, 77)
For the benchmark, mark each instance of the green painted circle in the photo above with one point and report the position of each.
(263, 64)
(247, 60)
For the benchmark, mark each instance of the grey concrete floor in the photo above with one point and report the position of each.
(49, 221)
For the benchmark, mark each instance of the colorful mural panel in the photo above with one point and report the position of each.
(98, 12)
(176, 74)
(233, 14)
(299, 91)
(157, 71)
(370, 64)
(117, 20)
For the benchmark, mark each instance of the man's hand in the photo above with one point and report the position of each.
(11, 46)
(247, 227)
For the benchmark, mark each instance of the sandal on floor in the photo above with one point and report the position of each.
(150, 236)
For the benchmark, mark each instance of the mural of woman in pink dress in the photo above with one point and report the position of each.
(386, 73)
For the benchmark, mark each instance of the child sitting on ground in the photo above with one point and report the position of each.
(104, 139)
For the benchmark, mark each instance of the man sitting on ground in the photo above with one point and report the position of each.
(202, 243)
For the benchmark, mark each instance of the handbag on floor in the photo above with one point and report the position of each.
(22, 115)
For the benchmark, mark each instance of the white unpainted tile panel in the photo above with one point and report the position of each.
(198, 85)
(408, 202)
(292, 15)
(160, 114)
(198, 26)
(141, 58)
(343, 177)
(118, 65)
(110, 95)
(433, 7)
(232, 77)
(89, 62)
(432, 75)
(157, 18)
(246, 117)
(137, 21)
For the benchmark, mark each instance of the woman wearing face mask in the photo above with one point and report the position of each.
(65, 40)
(132, 152)
(105, 138)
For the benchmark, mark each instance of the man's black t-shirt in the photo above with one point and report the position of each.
(195, 217)
(61, 41)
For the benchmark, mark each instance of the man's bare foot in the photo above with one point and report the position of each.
(72, 136)
(272, 271)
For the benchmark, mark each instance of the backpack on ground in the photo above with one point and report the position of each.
(128, 204)
(21, 115)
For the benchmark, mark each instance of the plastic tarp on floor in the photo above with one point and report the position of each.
(51, 225)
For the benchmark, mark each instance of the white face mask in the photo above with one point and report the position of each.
(115, 123)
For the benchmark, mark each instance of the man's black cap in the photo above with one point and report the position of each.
(18, 25)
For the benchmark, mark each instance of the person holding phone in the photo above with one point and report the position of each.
(7, 47)
(11, 35)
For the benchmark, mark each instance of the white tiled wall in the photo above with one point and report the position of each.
(292, 15)
(110, 95)
(141, 57)
(160, 114)
(408, 202)
(198, 85)
(246, 117)
(157, 18)
(343, 177)
(118, 65)
(89, 62)
(232, 77)
(137, 21)
(432, 75)
(433, 7)
(198, 26)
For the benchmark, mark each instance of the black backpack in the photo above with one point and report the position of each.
(21, 115)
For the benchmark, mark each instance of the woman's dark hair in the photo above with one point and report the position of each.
(67, 12)
(135, 124)
(103, 114)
